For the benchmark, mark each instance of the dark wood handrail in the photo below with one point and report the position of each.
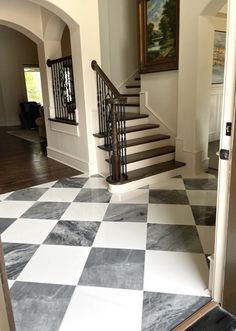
(112, 87)
(50, 62)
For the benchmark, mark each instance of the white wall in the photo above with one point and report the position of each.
(77, 149)
(118, 33)
(162, 96)
(16, 50)
(194, 84)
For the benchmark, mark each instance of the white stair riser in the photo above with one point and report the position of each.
(132, 90)
(138, 121)
(143, 133)
(142, 147)
(132, 99)
(133, 109)
(145, 181)
(133, 135)
(150, 161)
(145, 147)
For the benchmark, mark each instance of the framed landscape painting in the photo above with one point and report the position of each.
(158, 35)
(219, 57)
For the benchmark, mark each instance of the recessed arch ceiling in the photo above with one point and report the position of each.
(213, 7)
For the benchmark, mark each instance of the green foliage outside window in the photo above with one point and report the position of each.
(33, 84)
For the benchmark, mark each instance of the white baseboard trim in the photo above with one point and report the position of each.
(68, 159)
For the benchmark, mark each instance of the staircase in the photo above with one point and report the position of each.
(142, 153)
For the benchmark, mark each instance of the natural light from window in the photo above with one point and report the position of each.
(33, 84)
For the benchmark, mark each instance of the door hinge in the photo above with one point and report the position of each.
(224, 154)
(228, 129)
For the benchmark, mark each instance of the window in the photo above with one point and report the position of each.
(33, 84)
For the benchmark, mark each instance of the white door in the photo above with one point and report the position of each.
(228, 115)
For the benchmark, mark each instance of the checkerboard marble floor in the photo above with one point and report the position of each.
(80, 258)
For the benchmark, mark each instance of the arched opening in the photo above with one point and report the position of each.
(23, 55)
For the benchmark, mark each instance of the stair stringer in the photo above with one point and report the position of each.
(122, 87)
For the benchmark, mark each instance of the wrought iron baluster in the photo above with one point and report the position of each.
(111, 112)
(63, 89)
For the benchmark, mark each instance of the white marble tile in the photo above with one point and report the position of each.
(4, 195)
(28, 231)
(60, 194)
(177, 273)
(170, 214)
(202, 198)
(94, 182)
(56, 265)
(104, 309)
(136, 196)
(45, 185)
(121, 235)
(14, 209)
(10, 283)
(82, 211)
(169, 184)
(207, 238)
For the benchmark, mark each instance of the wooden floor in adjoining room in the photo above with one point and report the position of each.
(24, 164)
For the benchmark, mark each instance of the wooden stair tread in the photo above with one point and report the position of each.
(140, 141)
(134, 116)
(130, 95)
(150, 171)
(133, 86)
(134, 128)
(132, 104)
(149, 154)
(137, 78)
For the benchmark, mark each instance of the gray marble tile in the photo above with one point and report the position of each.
(115, 268)
(93, 195)
(71, 182)
(5, 223)
(28, 194)
(46, 210)
(163, 312)
(178, 238)
(178, 197)
(39, 307)
(73, 233)
(204, 215)
(119, 212)
(200, 184)
(215, 320)
(16, 257)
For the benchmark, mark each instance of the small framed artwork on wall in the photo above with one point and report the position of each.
(219, 57)
(158, 22)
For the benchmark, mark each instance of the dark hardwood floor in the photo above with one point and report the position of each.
(24, 164)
